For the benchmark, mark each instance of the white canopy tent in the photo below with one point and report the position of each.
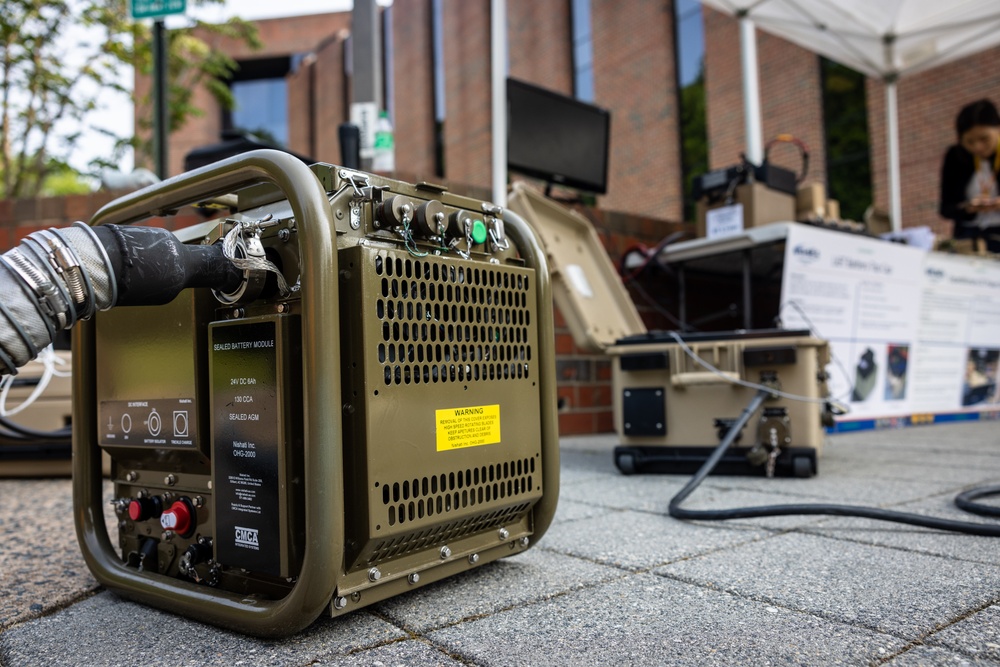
(886, 39)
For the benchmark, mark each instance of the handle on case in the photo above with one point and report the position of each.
(696, 378)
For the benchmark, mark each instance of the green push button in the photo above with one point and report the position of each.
(478, 232)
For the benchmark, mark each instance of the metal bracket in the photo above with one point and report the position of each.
(354, 178)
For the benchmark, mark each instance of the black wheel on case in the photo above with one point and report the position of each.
(802, 466)
(626, 463)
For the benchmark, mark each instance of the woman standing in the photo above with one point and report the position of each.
(970, 176)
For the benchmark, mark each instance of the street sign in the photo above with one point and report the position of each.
(151, 9)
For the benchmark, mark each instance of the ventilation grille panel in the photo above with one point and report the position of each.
(445, 323)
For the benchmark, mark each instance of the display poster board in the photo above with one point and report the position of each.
(915, 335)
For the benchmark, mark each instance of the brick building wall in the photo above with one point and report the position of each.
(540, 44)
(790, 91)
(413, 123)
(467, 136)
(635, 78)
(330, 100)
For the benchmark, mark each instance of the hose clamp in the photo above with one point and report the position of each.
(48, 296)
(68, 266)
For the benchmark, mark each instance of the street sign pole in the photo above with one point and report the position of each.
(156, 10)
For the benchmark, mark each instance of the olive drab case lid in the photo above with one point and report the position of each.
(585, 285)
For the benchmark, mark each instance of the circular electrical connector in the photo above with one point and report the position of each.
(427, 217)
(457, 222)
(390, 212)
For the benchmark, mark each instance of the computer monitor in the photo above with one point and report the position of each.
(557, 138)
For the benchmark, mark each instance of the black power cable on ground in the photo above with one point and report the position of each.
(963, 501)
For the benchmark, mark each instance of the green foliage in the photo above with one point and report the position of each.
(64, 181)
(59, 179)
(51, 78)
(848, 161)
(694, 136)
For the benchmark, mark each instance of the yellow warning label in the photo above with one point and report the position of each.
(467, 427)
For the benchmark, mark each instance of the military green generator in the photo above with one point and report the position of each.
(369, 410)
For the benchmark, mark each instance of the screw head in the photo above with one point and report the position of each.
(445, 552)
(413, 578)
(131, 476)
(285, 234)
(339, 602)
(473, 559)
(503, 534)
(525, 542)
(374, 574)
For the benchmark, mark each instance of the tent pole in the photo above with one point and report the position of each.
(751, 89)
(892, 136)
(498, 72)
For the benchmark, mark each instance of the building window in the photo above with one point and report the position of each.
(690, 44)
(583, 51)
(845, 122)
(260, 96)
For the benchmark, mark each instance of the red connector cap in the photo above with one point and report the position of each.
(141, 509)
(179, 518)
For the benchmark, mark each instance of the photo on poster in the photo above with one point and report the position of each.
(980, 383)
(865, 376)
(897, 358)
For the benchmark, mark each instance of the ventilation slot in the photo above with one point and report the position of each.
(447, 533)
(442, 323)
(419, 498)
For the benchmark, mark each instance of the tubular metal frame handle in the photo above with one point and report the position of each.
(324, 488)
(530, 247)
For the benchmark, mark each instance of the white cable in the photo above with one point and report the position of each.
(833, 356)
(48, 358)
(742, 383)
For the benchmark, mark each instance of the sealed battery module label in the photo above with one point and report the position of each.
(246, 445)
(467, 427)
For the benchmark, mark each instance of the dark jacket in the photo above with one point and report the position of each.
(956, 171)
